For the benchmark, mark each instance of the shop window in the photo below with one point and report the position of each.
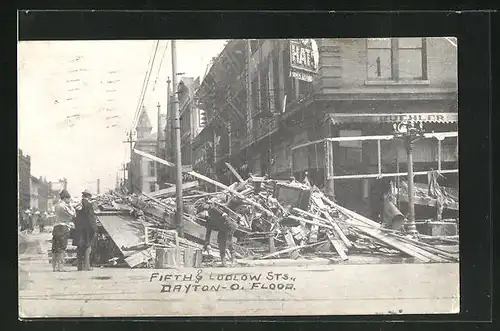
(396, 59)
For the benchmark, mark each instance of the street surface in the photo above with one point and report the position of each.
(279, 290)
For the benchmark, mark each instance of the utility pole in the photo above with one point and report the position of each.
(158, 139)
(177, 128)
(130, 141)
(169, 145)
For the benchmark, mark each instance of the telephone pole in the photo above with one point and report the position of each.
(130, 172)
(177, 128)
(158, 149)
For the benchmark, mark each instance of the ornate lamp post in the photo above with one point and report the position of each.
(409, 133)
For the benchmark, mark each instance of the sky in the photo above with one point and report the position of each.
(77, 101)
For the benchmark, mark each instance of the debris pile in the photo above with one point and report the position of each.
(276, 219)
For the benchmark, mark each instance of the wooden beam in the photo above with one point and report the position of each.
(171, 190)
(336, 228)
(235, 173)
(291, 249)
(210, 181)
(337, 244)
(291, 242)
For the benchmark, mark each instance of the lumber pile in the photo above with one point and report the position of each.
(276, 219)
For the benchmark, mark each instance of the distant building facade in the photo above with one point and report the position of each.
(24, 180)
(39, 193)
(142, 171)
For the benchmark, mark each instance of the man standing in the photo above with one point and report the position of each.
(219, 221)
(60, 234)
(85, 231)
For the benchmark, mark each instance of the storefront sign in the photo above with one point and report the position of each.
(394, 118)
(413, 117)
(301, 76)
(303, 59)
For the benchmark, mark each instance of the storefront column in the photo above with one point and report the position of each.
(329, 182)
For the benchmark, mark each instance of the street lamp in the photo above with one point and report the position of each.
(409, 133)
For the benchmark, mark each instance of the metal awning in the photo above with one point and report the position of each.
(341, 118)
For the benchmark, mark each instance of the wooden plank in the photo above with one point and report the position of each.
(171, 190)
(238, 194)
(137, 258)
(411, 250)
(337, 244)
(291, 242)
(235, 173)
(301, 219)
(124, 230)
(291, 249)
(336, 228)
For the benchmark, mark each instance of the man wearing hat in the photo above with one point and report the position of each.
(85, 231)
(60, 234)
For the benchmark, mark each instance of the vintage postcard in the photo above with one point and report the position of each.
(256, 177)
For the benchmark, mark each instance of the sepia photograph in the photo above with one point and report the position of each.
(241, 177)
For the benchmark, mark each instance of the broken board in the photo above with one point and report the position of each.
(124, 230)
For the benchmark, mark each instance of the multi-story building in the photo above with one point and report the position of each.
(39, 193)
(222, 97)
(307, 90)
(142, 170)
(190, 116)
(24, 180)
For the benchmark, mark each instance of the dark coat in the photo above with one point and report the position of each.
(85, 225)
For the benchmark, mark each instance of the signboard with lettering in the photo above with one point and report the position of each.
(303, 59)
(394, 118)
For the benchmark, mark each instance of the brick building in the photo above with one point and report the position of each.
(306, 90)
(24, 181)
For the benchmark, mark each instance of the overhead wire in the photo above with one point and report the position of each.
(161, 62)
(145, 85)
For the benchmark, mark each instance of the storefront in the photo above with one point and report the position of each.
(362, 148)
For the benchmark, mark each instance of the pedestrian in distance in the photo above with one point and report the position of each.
(85, 232)
(61, 231)
(42, 221)
(31, 221)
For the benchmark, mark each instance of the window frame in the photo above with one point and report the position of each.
(395, 77)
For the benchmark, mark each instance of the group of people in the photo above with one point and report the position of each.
(78, 223)
(31, 218)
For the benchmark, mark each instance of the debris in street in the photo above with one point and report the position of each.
(275, 219)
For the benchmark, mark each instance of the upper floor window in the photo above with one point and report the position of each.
(396, 59)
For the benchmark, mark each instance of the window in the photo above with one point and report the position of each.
(396, 59)
(379, 58)
(151, 169)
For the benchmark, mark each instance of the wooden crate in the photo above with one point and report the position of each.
(161, 238)
(177, 257)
